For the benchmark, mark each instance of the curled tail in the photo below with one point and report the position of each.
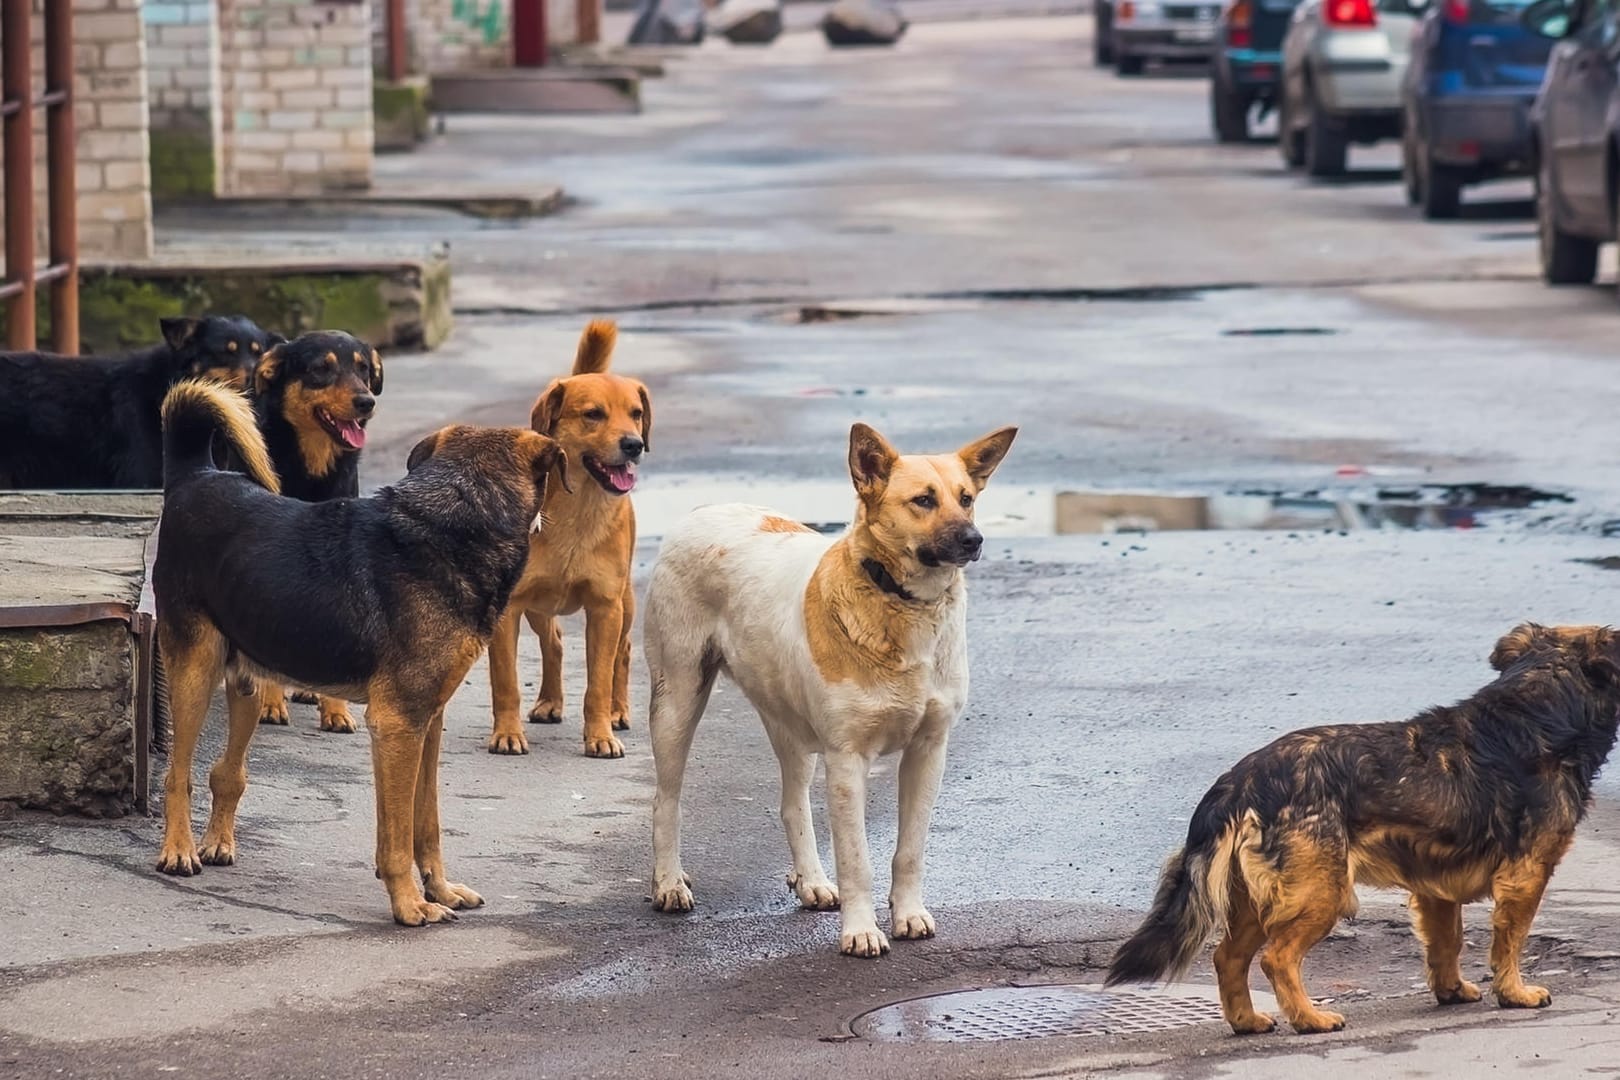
(596, 347)
(192, 412)
(1192, 898)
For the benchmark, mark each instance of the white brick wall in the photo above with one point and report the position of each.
(182, 51)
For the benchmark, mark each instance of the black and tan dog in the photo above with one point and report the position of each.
(386, 600)
(313, 397)
(1476, 799)
(92, 421)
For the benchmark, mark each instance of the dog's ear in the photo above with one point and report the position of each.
(1518, 641)
(376, 372)
(646, 417)
(267, 370)
(547, 456)
(177, 331)
(981, 456)
(1601, 656)
(423, 450)
(871, 460)
(548, 408)
(274, 338)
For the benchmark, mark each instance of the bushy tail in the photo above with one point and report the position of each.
(596, 347)
(1191, 901)
(192, 412)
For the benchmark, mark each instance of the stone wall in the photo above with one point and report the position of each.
(466, 35)
(295, 90)
(182, 68)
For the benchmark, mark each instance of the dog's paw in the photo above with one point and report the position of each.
(273, 712)
(865, 941)
(306, 697)
(451, 895)
(1524, 996)
(912, 925)
(814, 895)
(673, 897)
(508, 742)
(621, 720)
(1256, 1023)
(1464, 993)
(546, 712)
(180, 859)
(1318, 1022)
(335, 717)
(218, 852)
(421, 912)
(603, 746)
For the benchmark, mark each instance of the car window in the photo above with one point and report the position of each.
(1279, 5)
(1403, 7)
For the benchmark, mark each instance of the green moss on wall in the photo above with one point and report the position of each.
(182, 165)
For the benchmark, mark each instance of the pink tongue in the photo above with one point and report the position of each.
(622, 477)
(353, 435)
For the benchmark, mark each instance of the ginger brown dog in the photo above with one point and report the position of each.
(581, 559)
(401, 601)
(1476, 799)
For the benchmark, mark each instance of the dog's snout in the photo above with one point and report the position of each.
(631, 446)
(364, 404)
(969, 542)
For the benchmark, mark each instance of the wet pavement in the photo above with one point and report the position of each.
(974, 230)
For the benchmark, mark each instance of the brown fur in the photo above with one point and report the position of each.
(580, 560)
(773, 524)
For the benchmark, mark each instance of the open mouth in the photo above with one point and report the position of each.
(617, 479)
(348, 432)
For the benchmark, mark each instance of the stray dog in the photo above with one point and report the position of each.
(1476, 799)
(387, 600)
(92, 421)
(850, 649)
(582, 557)
(313, 397)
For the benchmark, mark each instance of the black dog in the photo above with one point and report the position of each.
(92, 422)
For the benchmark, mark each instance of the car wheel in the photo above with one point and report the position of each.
(1228, 113)
(1325, 144)
(1409, 168)
(1439, 188)
(1127, 65)
(1102, 52)
(1289, 141)
(1565, 259)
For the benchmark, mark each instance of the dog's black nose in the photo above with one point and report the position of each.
(363, 404)
(969, 542)
(631, 446)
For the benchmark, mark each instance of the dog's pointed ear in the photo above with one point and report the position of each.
(871, 460)
(1601, 661)
(548, 408)
(646, 417)
(981, 456)
(376, 372)
(267, 370)
(1518, 641)
(547, 455)
(178, 330)
(423, 450)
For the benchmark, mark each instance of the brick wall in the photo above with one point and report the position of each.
(182, 68)
(115, 201)
(295, 96)
(451, 35)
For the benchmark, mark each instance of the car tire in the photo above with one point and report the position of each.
(1102, 50)
(1409, 168)
(1289, 142)
(1228, 113)
(1127, 65)
(1439, 188)
(1565, 259)
(1325, 144)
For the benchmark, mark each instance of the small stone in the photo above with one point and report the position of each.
(862, 22)
(747, 22)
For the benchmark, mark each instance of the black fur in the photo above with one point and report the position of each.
(303, 361)
(92, 422)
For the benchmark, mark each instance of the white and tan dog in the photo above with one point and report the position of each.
(850, 649)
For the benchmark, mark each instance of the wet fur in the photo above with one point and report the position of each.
(387, 600)
(93, 421)
(1462, 802)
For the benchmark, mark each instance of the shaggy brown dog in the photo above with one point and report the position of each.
(1476, 799)
(582, 557)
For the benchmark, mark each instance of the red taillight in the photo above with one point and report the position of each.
(1456, 11)
(1239, 20)
(1351, 13)
(1127, 11)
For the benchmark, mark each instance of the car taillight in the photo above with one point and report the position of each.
(1456, 11)
(1351, 13)
(1126, 11)
(1239, 20)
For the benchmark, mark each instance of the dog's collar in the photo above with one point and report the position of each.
(884, 580)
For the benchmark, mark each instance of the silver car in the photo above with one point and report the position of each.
(1142, 30)
(1343, 64)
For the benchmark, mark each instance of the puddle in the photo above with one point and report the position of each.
(1280, 331)
(1012, 510)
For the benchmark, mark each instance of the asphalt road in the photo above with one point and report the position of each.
(1015, 238)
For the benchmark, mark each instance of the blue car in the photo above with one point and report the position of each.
(1474, 73)
(1247, 66)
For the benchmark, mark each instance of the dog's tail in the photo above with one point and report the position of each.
(1193, 892)
(596, 347)
(193, 412)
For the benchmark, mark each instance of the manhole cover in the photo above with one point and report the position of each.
(1032, 1012)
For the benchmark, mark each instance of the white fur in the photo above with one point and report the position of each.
(726, 590)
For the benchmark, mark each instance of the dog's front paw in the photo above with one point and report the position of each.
(451, 895)
(1255, 1023)
(1524, 996)
(866, 941)
(335, 717)
(508, 742)
(546, 712)
(306, 697)
(273, 711)
(673, 896)
(1464, 993)
(218, 852)
(421, 912)
(621, 720)
(603, 746)
(179, 858)
(1318, 1022)
(912, 925)
(815, 894)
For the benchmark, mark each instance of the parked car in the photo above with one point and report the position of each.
(1102, 32)
(1575, 137)
(1246, 67)
(1143, 30)
(1343, 64)
(1474, 72)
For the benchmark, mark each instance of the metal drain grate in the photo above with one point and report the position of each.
(1031, 1012)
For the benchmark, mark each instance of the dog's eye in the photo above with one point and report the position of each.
(635, 414)
(595, 413)
(966, 500)
(925, 501)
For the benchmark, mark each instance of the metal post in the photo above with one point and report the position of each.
(60, 167)
(17, 104)
(398, 66)
(529, 33)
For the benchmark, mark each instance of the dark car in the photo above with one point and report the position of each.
(1574, 138)
(1247, 65)
(1102, 33)
(1471, 81)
